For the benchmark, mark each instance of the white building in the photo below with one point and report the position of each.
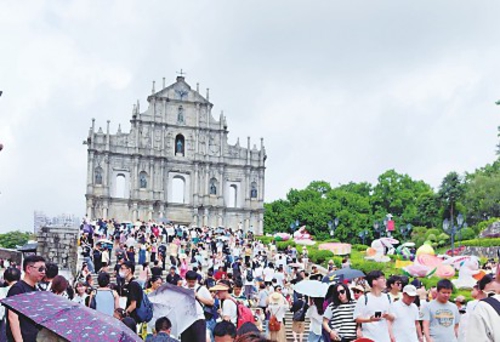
(175, 163)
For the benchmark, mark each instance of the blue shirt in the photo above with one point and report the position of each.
(160, 337)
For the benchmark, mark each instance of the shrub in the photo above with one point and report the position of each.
(432, 231)
(482, 242)
(319, 257)
(360, 247)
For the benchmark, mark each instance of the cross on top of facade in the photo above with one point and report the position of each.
(181, 73)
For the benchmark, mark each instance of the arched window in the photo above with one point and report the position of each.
(179, 145)
(253, 190)
(233, 196)
(98, 176)
(143, 180)
(120, 186)
(213, 186)
(178, 185)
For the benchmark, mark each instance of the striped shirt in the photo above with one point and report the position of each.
(341, 319)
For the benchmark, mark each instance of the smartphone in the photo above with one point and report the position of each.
(378, 314)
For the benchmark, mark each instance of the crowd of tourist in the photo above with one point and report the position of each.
(244, 291)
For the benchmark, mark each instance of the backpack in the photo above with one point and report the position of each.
(493, 302)
(299, 315)
(366, 298)
(145, 311)
(208, 310)
(274, 325)
(249, 275)
(244, 314)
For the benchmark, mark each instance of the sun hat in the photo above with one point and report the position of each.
(358, 288)
(219, 287)
(275, 297)
(410, 290)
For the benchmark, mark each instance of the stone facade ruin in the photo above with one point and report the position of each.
(59, 245)
(175, 164)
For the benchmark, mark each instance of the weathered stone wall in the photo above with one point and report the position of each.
(486, 252)
(59, 245)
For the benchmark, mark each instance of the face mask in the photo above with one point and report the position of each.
(122, 274)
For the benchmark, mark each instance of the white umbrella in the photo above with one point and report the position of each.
(408, 244)
(176, 303)
(311, 288)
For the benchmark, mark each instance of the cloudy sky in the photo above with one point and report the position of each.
(340, 90)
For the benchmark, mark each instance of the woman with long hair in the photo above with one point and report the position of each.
(338, 320)
(315, 314)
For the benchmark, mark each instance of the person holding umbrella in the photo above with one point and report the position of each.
(20, 328)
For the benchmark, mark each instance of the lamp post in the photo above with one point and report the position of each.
(333, 226)
(451, 229)
(378, 228)
(362, 235)
(405, 230)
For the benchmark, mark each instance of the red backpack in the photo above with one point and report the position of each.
(244, 314)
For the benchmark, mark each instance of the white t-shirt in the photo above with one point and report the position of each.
(230, 309)
(268, 274)
(205, 294)
(403, 326)
(280, 277)
(316, 319)
(377, 331)
(258, 272)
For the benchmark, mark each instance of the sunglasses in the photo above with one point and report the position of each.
(342, 292)
(40, 269)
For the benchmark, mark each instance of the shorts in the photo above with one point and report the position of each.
(298, 327)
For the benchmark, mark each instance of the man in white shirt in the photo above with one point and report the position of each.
(373, 310)
(406, 327)
(268, 274)
(280, 276)
(229, 308)
(196, 332)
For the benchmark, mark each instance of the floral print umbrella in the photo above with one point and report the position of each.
(69, 320)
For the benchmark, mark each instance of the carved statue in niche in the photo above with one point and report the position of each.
(213, 188)
(180, 115)
(253, 191)
(179, 146)
(98, 176)
(143, 182)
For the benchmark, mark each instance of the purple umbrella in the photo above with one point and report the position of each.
(69, 320)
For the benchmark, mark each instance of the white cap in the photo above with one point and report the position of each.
(410, 290)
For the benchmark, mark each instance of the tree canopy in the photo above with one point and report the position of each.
(358, 206)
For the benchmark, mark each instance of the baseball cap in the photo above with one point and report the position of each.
(410, 290)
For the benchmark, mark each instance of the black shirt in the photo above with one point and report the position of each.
(29, 329)
(173, 279)
(156, 271)
(134, 293)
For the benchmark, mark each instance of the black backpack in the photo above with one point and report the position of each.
(249, 275)
(299, 315)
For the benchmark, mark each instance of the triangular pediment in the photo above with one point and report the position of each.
(181, 91)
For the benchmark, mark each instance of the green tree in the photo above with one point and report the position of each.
(14, 238)
(482, 193)
(451, 193)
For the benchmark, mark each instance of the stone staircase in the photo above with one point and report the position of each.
(288, 327)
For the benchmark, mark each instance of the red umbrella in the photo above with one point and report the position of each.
(68, 319)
